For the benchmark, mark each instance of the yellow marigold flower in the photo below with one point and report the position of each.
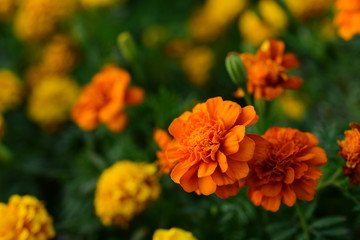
(292, 107)
(253, 29)
(10, 90)
(208, 23)
(173, 234)
(97, 3)
(256, 29)
(58, 56)
(51, 100)
(6, 8)
(37, 19)
(124, 190)
(25, 218)
(307, 8)
(273, 14)
(197, 64)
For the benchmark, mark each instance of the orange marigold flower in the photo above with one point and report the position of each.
(348, 18)
(287, 170)
(350, 151)
(162, 139)
(267, 70)
(210, 149)
(105, 98)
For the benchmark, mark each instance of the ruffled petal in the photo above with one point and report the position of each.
(247, 116)
(237, 170)
(206, 169)
(271, 203)
(207, 185)
(189, 181)
(245, 152)
(271, 189)
(227, 190)
(289, 197)
(304, 190)
(221, 178)
(222, 160)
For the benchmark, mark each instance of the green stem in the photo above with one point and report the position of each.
(261, 111)
(302, 221)
(330, 180)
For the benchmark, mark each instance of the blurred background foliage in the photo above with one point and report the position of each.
(182, 47)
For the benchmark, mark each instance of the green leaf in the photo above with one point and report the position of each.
(327, 222)
(285, 234)
(341, 231)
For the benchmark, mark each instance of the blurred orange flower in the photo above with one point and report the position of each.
(348, 18)
(267, 70)
(287, 170)
(104, 100)
(350, 151)
(162, 139)
(210, 148)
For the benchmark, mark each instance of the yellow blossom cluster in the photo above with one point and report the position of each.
(50, 102)
(97, 3)
(10, 90)
(6, 9)
(307, 8)
(124, 190)
(25, 218)
(256, 28)
(58, 58)
(37, 19)
(173, 234)
(197, 63)
(210, 21)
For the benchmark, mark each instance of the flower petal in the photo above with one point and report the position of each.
(271, 203)
(230, 144)
(222, 160)
(320, 157)
(178, 171)
(207, 185)
(221, 178)
(304, 190)
(245, 152)
(289, 176)
(228, 112)
(227, 190)
(176, 127)
(212, 105)
(206, 169)
(255, 196)
(293, 82)
(189, 181)
(247, 116)
(289, 197)
(237, 170)
(271, 189)
(290, 61)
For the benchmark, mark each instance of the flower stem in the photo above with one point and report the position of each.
(330, 180)
(261, 111)
(302, 221)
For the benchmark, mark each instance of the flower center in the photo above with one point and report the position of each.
(203, 136)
